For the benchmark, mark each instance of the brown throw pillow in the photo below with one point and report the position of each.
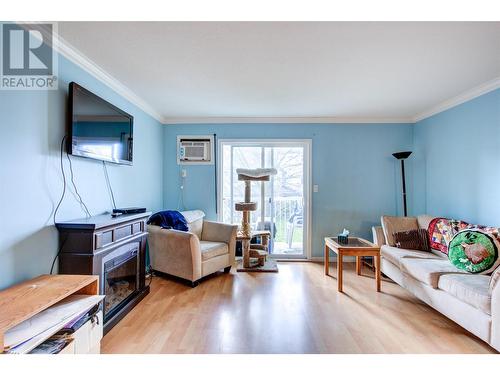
(416, 239)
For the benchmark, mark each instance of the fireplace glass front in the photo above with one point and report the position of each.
(120, 281)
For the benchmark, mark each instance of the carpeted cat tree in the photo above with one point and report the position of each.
(254, 256)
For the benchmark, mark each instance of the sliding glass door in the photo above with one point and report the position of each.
(283, 202)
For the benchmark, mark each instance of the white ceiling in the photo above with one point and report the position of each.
(194, 71)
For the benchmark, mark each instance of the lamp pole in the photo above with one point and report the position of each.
(402, 156)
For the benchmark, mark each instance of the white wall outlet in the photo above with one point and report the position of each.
(315, 188)
(184, 173)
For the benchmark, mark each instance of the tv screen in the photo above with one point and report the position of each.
(98, 129)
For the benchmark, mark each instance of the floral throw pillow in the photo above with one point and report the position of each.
(442, 230)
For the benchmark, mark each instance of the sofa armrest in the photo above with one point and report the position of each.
(495, 315)
(220, 232)
(378, 236)
(175, 252)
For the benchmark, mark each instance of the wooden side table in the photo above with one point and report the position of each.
(357, 247)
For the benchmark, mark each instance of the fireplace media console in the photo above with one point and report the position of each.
(114, 248)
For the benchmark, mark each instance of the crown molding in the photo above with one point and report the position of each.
(74, 55)
(460, 99)
(285, 120)
(81, 60)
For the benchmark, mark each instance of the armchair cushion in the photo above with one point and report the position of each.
(211, 249)
(218, 232)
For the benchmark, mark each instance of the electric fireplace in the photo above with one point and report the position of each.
(114, 249)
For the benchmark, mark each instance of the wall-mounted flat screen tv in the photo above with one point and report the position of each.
(98, 129)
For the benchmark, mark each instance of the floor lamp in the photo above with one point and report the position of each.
(402, 156)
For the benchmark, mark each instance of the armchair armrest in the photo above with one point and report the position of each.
(175, 252)
(378, 236)
(220, 232)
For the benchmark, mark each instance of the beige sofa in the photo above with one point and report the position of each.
(467, 299)
(206, 248)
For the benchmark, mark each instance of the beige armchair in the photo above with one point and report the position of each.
(206, 248)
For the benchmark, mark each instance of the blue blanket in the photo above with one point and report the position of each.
(169, 220)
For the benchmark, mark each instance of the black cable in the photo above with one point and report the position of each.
(57, 256)
(82, 203)
(109, 183)
(64, 180)
(151, 274)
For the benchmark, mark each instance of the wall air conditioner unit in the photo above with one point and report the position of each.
(195, 149)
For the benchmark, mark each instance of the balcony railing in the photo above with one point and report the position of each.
(287, 213)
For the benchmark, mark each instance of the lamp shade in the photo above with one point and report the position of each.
(401, 155)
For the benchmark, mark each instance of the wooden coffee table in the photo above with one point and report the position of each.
(357, 247)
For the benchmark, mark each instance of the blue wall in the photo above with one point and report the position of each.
(32, 124)
(457, 162)
(358, 178)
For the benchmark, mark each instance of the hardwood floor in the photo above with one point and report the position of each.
(297, 310)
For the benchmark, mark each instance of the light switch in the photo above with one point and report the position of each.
(315, 188)
(183, 173)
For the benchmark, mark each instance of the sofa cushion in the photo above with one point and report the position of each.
(211, 249)
(393, 224)
(395, 254)
(427, 271)
(424, 221)
(471, 289)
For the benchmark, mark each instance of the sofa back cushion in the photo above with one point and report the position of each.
(424, 221)
(393, 224)
(194, 219)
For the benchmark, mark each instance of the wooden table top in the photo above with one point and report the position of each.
(22, 301)
(355, 243)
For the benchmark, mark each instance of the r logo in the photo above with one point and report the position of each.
(26, 51)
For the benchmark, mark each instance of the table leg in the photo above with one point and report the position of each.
(358, 265)
(377, 271)
(327, 259)
(339, 272)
